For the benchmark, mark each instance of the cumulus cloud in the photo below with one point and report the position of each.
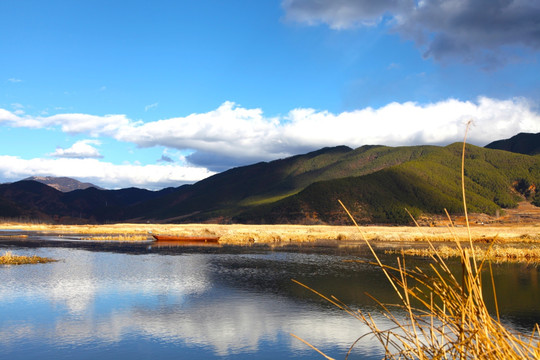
(102, 173)
(411, 123)
(80, 150)
(70, 123)
(472, 30)
(8, 117)
(230, 132)
(232, 135)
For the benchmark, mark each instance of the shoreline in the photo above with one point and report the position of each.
(272, 234)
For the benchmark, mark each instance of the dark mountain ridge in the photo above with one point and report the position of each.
(377, 182)
(35, 200)
(63, 184)
(522, 143)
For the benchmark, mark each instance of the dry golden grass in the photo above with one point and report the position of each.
(9, 259)
(442, 315)
(284, 234)
(121, 238)
(530, 255)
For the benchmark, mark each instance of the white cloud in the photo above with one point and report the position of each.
(7, 116)
(232, 135)
(81, 149)
(83, 123)
(102, 173)
(14, 80)
(412, 124)
(229, 131)
(151, 106)
(238, 135)
(93, 125)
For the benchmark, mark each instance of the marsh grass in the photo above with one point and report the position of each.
(441, 315)
(121, 237)
(241, 234)
(9, 259)
(497, 254)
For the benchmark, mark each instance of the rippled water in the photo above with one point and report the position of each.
(211, 304)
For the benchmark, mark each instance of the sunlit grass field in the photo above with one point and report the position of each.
(245, 234)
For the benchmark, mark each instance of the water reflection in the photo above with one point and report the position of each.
(92, 301)
(203, 305)
(179, 244)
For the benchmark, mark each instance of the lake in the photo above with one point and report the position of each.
(111, 301)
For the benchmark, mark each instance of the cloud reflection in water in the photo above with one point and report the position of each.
(102, 299)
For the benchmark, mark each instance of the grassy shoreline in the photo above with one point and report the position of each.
(246, 234)
(512, 243)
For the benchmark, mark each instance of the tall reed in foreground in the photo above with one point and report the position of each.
(446, 316)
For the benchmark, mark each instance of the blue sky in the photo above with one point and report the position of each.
(161, 93)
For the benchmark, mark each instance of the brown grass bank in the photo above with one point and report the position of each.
(246, 234)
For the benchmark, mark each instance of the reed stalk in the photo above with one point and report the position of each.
(446, 315)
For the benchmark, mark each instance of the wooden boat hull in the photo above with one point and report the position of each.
(187, 239)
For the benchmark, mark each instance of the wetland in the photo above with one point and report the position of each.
(110, 299)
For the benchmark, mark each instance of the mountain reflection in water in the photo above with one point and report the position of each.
(103, 304)
(189, 305)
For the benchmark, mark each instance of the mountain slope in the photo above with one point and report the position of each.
(522, 143)
(30, 199)
(63, 184)
(33, 199)
(222, 196)
(376, 182)
(425, 185)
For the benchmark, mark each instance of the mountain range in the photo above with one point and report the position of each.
(522, 143)
(379, 184)
(63, 184)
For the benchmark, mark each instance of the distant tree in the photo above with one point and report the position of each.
(523, 186)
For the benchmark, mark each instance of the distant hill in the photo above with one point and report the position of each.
(522, 143)
(426, 185)
(34, 200)
(220, 198)
(63, 184)
(376, 182)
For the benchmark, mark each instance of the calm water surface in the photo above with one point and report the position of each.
(215, 303)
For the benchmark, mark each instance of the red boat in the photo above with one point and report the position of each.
(169, 238)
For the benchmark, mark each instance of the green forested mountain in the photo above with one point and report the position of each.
(426, 184)
(376, 183)
(223, 197)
